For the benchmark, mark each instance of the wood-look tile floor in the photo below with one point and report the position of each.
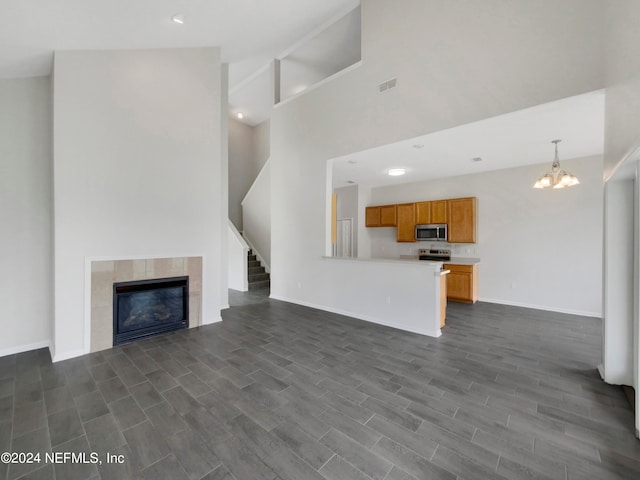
(283, 391)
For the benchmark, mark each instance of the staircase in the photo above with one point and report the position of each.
(258, 278)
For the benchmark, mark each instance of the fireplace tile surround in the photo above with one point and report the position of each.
(104, 273)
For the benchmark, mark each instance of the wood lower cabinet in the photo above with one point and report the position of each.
(406, 222)
(462, 220)
(462, 283)
(381, 216)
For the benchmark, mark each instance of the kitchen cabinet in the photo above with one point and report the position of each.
(388, 216)
(406, 222)
(434, 211)
(462, 220)
(459, 214)
(372, 216)
(443, 298)
(423, 213)
(462, 283)
(381, 216)
(438, 210)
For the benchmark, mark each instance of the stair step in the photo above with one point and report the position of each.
(259, 285)
(254, 270)
(259, 277)
(251, 258)
(253, 263)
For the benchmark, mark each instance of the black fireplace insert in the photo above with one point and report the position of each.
(149, 307)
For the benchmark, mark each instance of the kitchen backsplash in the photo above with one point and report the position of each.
(381, 249)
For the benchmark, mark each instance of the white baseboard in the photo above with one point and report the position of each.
(209, 322)
(24, 348)
(67, 355)
(358, 316)
(542, 307)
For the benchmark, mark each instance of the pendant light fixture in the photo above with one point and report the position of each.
(556, 178)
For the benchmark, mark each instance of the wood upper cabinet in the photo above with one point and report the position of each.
(388, 216)
(458, 213)
(406, 216)
(382, 216)
(462, 220)
(372, 216)
(423, 213)
(462, 283)
(439, 211)
(434, 211)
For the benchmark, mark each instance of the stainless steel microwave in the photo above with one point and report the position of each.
(431, 233)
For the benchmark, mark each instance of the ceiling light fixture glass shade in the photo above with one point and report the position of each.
(394, 172)
(556, 178)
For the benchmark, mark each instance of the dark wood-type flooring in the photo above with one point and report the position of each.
(283, 391)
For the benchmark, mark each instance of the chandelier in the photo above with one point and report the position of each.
(556, 178)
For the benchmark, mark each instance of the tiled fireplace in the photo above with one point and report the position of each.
(106, 273)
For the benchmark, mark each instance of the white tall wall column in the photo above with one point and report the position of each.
(622, 116)
(138, 171)
(25, 214)
(618, 293)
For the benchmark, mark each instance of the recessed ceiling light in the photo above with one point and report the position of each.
(476, 159)
(418, 146)
(350, 181)
(395, 172)
(178, 18)
(352, 162)
(240, 115)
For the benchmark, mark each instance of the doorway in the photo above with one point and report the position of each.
(345, 237)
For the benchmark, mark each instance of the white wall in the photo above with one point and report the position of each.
(242, 167)
(361, 289)
(316, 58)
(237, 250)
(622, 75)
(618, 294)
(138, 170)
(256, 214)
(262, 144)
(25, 213)
(347, 207)
(622, 136)
(248, 152)
(539, 248)
(459, 62)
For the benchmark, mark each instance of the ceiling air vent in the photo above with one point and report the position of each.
(388, 85)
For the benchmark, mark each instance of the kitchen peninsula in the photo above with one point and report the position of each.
(400, 293)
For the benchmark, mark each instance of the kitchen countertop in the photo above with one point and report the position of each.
(452, 261)
(463, 261)
(405, 261)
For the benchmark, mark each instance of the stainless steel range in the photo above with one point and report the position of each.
(434, 254)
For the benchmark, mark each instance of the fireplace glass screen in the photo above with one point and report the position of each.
(149, 307)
